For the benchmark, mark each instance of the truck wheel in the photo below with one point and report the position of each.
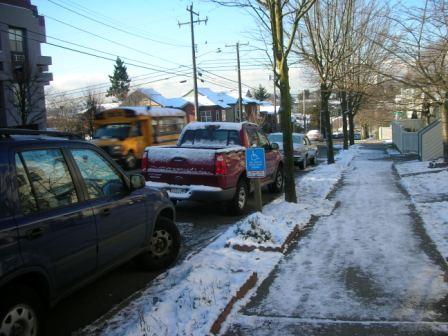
(237, 204)
(130, 161)
(313, 160)
(277, 185)
(164, 246)
(21, 312)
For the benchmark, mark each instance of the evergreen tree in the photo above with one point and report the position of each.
(119, 81)
(261, 93)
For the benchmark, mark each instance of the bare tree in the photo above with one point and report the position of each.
(26, 94)
(93, 103)
(370, 55)
(281, 18)
(323, 44)
(64, 112)
(421, 55)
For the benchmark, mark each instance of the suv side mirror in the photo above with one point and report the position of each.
(274, 146)
(137, 181)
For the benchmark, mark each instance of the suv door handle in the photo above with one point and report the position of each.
(35, 233)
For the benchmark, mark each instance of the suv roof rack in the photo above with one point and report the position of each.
(7, 132)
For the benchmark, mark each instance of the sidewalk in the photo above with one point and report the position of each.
(366, 269)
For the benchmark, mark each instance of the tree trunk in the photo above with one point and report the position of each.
(285, 121)
(444, 122)
(344, 118)
(324, 96)
(351, 124)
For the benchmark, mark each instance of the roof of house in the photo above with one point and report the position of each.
(208, 97)
(161, 100)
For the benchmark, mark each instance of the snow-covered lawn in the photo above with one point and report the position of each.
(428, 188)
(363, 263)
(187, 299)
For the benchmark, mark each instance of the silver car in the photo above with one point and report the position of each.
(304, 151)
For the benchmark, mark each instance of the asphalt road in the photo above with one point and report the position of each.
(199, 224)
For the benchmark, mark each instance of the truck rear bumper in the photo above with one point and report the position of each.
(194, 192)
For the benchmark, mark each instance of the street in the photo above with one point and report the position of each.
(199, 223)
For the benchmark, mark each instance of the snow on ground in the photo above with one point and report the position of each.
(187, 299)
(428, 188)
(364, 262)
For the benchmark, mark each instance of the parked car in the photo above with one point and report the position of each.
(357, 136)
(208, 164)
(315, 135)
(338, 135)
(304, 152)
(68, 214)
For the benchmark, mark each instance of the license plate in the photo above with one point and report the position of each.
(178, 191)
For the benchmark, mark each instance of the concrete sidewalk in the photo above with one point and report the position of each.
(367, 269)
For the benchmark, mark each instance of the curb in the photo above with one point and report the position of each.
(248, 285)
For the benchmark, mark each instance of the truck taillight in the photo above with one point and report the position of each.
(220, 165)
(145, 161)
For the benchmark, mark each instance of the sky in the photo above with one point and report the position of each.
(146, 33)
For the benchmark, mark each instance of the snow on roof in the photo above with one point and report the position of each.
(155, 111)
(102, 107)
(269, 109)
(207, 97)
(162, 100)
(246, 100)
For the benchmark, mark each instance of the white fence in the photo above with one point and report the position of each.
(405, 135)
(430, 142)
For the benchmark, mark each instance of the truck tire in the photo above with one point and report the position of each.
(164, 246)
(238, 203)
(21, 312)
(277, 185)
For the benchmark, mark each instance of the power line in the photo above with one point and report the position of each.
(113, 27)
(111, 20)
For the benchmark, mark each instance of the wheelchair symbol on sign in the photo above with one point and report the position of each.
(254, 157)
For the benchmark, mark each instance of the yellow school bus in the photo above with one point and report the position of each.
(125, 131)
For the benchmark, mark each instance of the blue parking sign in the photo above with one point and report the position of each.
(255, 163)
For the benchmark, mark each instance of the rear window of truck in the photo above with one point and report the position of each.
(211, 137)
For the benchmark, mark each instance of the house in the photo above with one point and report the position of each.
(23, 70)
(150, 97)
(213, 106)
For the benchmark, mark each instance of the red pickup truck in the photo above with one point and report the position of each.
(208, 164)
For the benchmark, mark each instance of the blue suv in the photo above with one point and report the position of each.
(68, 213)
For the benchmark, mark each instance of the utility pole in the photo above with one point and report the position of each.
(240, 95)
(193, 53)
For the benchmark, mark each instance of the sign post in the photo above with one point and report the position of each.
(256, 169)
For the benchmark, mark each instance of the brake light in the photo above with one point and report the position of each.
(220, 165)
(145, 161)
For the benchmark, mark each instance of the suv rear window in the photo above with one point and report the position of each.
(211, 137)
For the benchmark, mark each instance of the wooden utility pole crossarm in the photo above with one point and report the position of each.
(193, 54)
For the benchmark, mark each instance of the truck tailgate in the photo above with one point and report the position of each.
(181, 165)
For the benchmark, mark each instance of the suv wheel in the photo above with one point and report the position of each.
(302, 165)
(20, 312)
(277, 185)
(164, 246)
(130, 161)
(237, 204)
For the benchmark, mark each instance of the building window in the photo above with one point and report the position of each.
(206, 116)
(16, 40)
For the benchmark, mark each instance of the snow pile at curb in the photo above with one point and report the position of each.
(428, 188)
(194, 297)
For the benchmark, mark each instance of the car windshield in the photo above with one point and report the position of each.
(119, 131)
(279, 138)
